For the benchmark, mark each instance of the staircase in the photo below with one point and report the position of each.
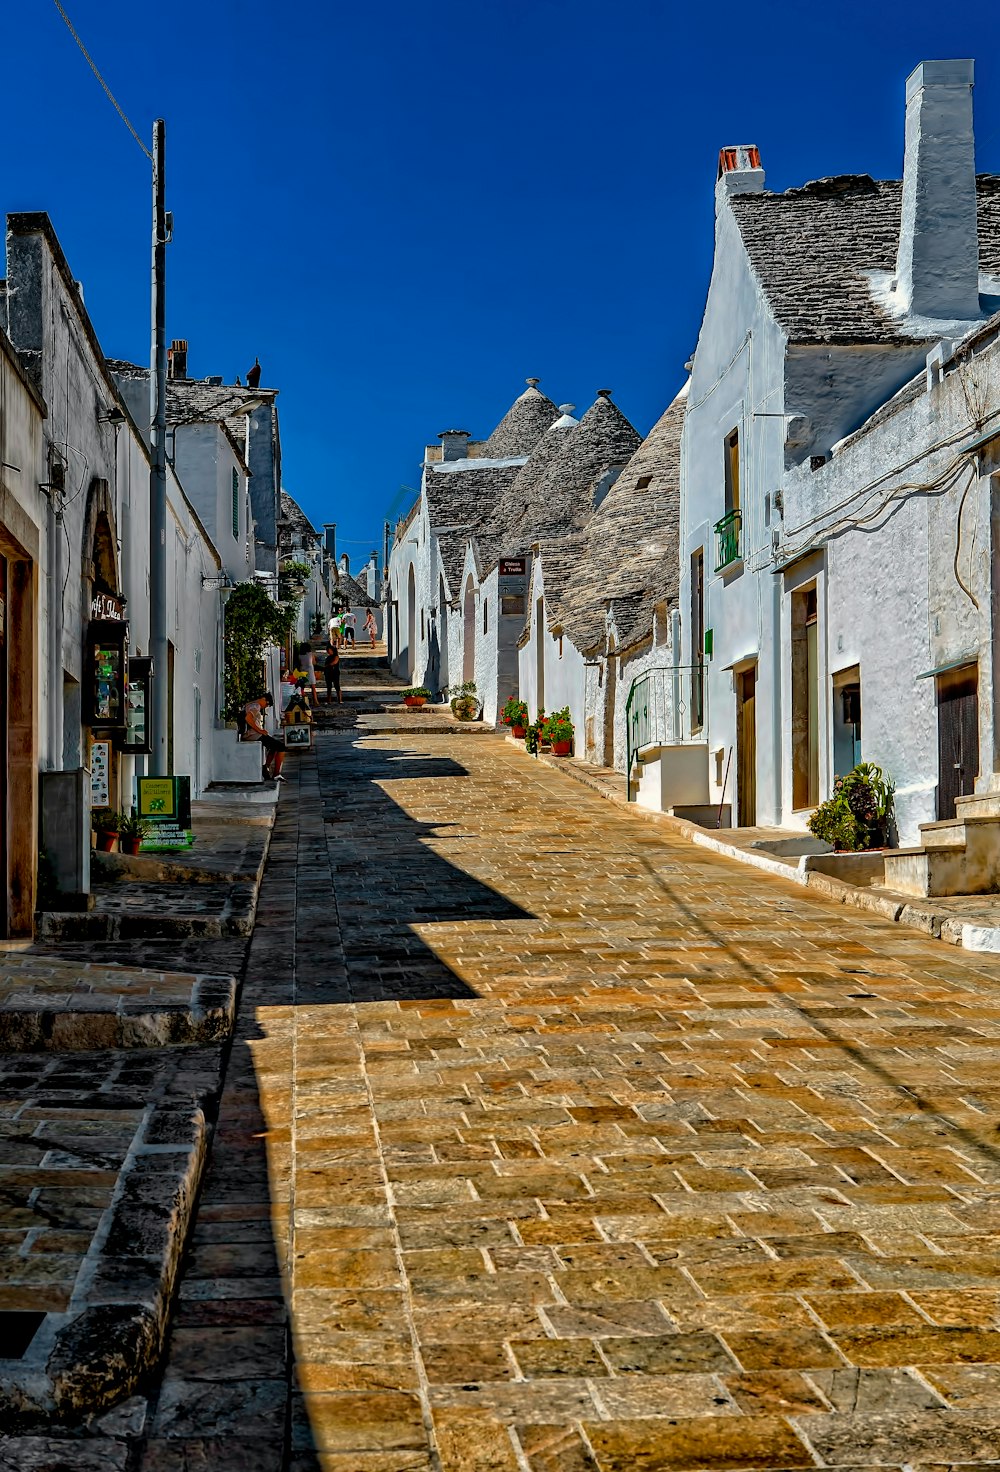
(959, 855)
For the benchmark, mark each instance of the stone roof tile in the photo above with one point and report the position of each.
(522, 426)
(812, 247)
(629, 556)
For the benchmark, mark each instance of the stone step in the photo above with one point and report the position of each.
(947, 833)
(978, 805)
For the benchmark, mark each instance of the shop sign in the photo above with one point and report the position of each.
(165, 804)
(107, 605)
(512, 567)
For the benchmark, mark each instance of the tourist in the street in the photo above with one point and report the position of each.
(335, 630)
(331, 673)
(307, 665)
(370, 627)
(349, 624)
(255, 731)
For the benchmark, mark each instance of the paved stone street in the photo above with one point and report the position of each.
(571, 1146)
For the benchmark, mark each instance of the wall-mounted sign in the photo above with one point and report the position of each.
(512, 567)
(100, 774)
(105, 672)
(137, 734)
(107, 605)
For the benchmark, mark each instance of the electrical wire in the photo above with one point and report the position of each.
(93, 67)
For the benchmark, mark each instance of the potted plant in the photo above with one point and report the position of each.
(858, 815)
(464, 704)
(416, 695)
(559, 729)
(515, 715)
(131, 831)
(106, 824)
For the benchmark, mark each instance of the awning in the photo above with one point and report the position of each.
(952, 664)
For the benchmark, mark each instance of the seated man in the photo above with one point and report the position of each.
(254, 711)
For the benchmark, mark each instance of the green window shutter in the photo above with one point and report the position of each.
(236, 504)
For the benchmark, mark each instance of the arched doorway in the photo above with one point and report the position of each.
(610, 692)
(469, 639)
(411, 625)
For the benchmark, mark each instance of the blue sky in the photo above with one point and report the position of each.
(405, 209)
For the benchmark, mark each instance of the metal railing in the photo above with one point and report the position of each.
(655, 709)
(727, 539)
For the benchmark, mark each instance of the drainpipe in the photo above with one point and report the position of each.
(158, 471)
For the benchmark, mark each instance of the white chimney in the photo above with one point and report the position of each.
(740, 171)
(937, 269)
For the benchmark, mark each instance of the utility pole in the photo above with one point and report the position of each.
(158, 761)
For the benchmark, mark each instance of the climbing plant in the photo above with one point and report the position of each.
(253, 620)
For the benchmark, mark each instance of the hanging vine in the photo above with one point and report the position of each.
(252, 622)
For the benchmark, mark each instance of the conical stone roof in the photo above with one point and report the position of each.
(522, 426)
(564, 494)
(630, 562)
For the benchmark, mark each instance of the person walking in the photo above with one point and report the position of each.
(255, 731)
(331, 673)
(350, 623)
(370, 626)
(306, 663)
(335, 627)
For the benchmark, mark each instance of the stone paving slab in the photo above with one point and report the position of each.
(99, 1167)
(969, 921)
(555, 1142)
(50, 1003)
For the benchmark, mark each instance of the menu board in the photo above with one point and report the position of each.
(100, 774)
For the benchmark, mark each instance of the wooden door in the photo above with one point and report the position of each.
(746, 748)
(958, 737)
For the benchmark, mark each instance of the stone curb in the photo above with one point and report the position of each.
(92, 1356)
(32, 1024)
(900, 909)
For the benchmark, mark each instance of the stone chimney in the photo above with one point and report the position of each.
(740, 171)
(937, 269)
(177, 358)
(454, 444)
(330, 538)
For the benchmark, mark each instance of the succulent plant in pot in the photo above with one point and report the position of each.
(106, 824)
(131, 831)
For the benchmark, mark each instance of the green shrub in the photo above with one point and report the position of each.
(858, 814)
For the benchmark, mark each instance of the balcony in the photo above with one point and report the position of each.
(727, 540)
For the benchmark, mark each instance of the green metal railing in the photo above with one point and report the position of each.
(655, 709)
(727, 539)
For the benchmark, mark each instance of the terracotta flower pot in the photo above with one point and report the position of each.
(562, 748)
(519, 732)
(130, 846)
(413, 700)
(106, 842)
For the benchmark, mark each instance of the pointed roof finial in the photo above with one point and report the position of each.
(604, 393)
(532, 382)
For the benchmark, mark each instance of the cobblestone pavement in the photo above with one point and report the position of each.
(559, 1145)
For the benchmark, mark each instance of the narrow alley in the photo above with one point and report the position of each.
(549, 1141)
